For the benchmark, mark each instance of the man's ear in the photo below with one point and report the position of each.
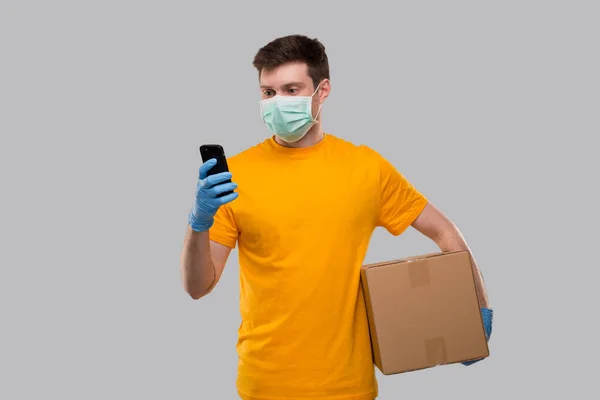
(324, 90)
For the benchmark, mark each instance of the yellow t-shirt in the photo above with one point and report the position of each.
(303, 221)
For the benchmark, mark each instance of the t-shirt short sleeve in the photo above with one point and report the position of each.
(400, 202)
(224, 229)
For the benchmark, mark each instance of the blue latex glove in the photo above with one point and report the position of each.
(488, 315)
(207, 202)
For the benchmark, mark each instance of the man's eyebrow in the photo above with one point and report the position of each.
(293, 84)
(289, 84)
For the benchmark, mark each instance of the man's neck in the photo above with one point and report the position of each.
(312, 137)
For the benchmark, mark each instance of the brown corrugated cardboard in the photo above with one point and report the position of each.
(423, 311)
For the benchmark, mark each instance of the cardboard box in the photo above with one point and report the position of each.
(423, 311)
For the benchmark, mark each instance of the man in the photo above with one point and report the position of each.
(304, 207)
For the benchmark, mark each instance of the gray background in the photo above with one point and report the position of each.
(490, 108)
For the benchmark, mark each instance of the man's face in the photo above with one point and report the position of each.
(292, 80)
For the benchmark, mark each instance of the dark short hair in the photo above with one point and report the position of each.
(294, 48)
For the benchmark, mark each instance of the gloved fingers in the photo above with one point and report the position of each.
(488, 316)
(204, 168)
(228, 198)
(214, 179)
(471, 362)
(222, 188)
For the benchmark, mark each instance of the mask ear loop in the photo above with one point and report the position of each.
(317, 89)
(317, 116)
(320, 105)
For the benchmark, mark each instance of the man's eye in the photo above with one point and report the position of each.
(268, 92)
(292, 91)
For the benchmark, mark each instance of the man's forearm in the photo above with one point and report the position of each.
(456, 242)
(197, 267)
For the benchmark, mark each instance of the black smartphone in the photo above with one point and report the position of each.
(208, 151)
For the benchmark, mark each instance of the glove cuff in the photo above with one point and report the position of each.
(199, 226)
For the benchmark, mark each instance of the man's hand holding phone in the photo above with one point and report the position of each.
(208, 199)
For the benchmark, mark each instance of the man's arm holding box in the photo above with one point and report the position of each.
(401, 205)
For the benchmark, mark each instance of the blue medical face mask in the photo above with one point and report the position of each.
(289, 117)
